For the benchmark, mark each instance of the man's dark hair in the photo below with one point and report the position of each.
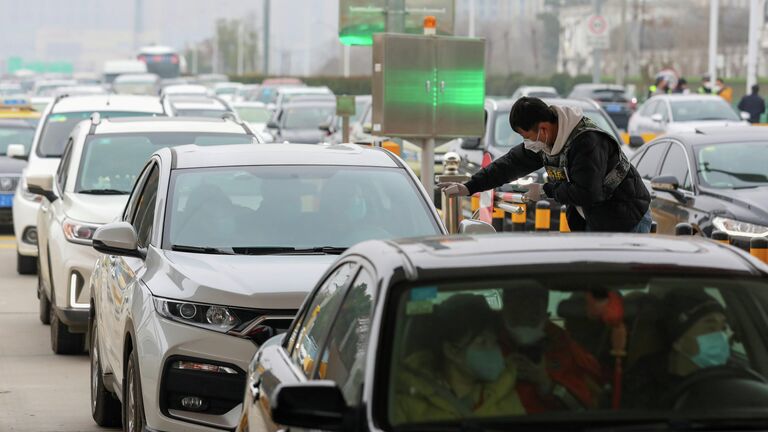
(755, 89)
(527, 112)
(720, 80)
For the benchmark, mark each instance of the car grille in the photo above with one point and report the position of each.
(8, 182)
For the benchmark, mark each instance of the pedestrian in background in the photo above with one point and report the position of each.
(724, 90)
(705, 86)
(753, 104)
(682, 87)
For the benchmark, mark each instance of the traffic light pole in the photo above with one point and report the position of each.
(395, 22)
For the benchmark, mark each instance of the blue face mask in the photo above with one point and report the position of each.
(485, 364)
(714, 350)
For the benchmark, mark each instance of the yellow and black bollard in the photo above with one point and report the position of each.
(758, 248)
(563, 220)
(519, 219)
(683, 229)
(543, 215)
(720, 237)
(654, 227)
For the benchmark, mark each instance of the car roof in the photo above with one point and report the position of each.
(506, 104)
(719, 135)
(167, 124)
(572, 252)
(130, 103)
(686, 97)
(304, 89)
(196, 102)
(193, 156)
(248, 104)
(301, 103)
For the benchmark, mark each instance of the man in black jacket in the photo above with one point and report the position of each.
(587, 169)
(753, 104)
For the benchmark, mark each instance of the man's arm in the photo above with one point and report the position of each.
(516, 163)
(586, 170)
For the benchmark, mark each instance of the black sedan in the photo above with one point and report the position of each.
(714, 179)
(510, 332)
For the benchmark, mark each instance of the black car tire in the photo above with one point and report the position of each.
(62, 340)
(105, 408)
(44, 304)
(133, 404)
(26, 265)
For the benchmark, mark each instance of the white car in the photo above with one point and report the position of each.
(196, 106)
(255, 114)
(137, 84)
(98, 169)
(665, 114)
(227, 90)
(536, 91)
(57, 121)
(215, 252)
(186, 90)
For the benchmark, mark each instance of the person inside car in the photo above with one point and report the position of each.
(463, 374)
(554, 372)
(693, 325)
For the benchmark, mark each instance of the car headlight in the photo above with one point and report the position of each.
(26, 194)
(78, 232)
(738, 228)
(212, 317)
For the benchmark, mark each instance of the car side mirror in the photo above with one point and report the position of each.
(367, 128)
(41, 184)
(117, 238)
(327, 126)
(658, 118)
(16, 151)
(474, 226)
(636, 141)
(745, 115)
(317, 404)
(272, 125)
(471, 143)
(668, 184)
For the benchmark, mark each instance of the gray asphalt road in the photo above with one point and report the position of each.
(39, 391)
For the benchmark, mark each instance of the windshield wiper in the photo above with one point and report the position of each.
(745, 177)
(103, 192)
(274, 250)
(330, 250)
(202, 249)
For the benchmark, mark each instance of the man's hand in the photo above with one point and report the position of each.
(453, 189)
(533, 373)
(535, 192)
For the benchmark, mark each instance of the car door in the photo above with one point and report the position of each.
(127, 272)
(672, 208)
(642, 121)
(50, 216)
(295, 359)
(660, 128)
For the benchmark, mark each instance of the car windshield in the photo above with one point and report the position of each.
(210, 113)
(504, 136)
(15, 135)
(253, 208)
(700, 110)
(253, 114)
(608, 95)
(111, 162)
(574, 349)
(57, 128)
(733, 165)
(306, 117)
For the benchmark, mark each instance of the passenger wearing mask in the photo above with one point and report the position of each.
(553, 371)
(705, 87)
(682, 87)
(694, 326)
(464, 374)
(724, 90)
(754, 104)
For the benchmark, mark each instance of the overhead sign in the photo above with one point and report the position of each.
(359, 20)
(598, 32)
(15, 64)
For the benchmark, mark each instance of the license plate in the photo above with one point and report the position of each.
(613, 108)
(6, 200)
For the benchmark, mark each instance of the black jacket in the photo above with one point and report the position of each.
(591, 156)
(754, 105)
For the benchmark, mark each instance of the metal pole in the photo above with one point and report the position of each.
(195, 49)
(755, 10)
(138, 23)
(346, 61)
(240, 47)
(215, 55)
(714, 9)
(472, 18)
(428, 166)
(623, 46)
(266, 37)
(597, 54)
(395, 16)
(345, 129)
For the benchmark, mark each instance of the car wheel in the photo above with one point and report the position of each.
(26, 265)
(133, 404)
(105, 408)
(43, 302)
(62, 340)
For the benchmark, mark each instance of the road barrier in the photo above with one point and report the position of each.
(564, 228)
(721, 237)
(683, 228)
(543, 215)
(654, 227)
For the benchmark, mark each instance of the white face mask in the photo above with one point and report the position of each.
(536, 145)
(527, 335)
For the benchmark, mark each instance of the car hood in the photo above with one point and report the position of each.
(302, 136)
(263, 281)
(97, 209)
(11, 165)
(748, 205)
(693, 125)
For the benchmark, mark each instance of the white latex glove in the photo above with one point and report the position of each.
(453, 189)
(535, 192)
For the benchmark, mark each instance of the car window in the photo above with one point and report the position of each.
(676, 164)
(343, 359)
(501, 335)
(318, 318)
(504, 136)
(648, 108)
(702, 110)
(62, 172)
(15, 135)
(135, 194)
(742, 165)
(145, 208)
(661, 108)
(650, 160)
(310, 117)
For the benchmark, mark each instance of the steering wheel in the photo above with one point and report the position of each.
(715, 373)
